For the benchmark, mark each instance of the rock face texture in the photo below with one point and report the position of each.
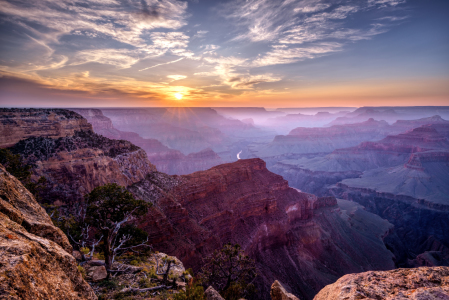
(76, 160)
(419, 283)
(289, 234)
(17, 124)
(278, 292)
(35, 262)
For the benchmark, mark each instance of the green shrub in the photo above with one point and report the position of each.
(193, 292)
(82, 271)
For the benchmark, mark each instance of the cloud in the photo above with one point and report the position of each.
(176, 77)
(123, 21)
(226, 69)
(283, 55)
(167, 63)
(121, 58)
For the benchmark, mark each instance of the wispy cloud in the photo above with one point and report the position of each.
(283, 55)
(121, 58)
(167, 63)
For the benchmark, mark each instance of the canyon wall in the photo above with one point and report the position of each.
(304, 241)
(73, 159)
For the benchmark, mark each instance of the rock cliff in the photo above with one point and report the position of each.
(61, 146)
(17, 124)
(34, 254)
(304, 241)
(420, 283)
(75, 165)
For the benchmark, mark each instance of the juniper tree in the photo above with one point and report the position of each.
(110, 209)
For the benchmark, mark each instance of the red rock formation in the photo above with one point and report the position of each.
(290, 234)
(62, 147)
(18, 124)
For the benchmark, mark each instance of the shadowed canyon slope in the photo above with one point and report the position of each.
(34, 254)
(281, 228)
(402, 178)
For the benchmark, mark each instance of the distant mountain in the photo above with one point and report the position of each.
(166, 160)
(324, 139)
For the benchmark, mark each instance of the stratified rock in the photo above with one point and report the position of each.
(81, 160)
(17, 124)
(419, 283)
(278, 292)
(20, 206)
(33, 266)
(212, 294)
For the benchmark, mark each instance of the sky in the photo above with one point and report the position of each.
(271, 53)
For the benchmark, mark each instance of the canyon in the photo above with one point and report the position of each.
(240, 202)
(320, 202)
(315, 239)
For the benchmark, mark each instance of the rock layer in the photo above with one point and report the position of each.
(18, 124)
(33, 264)
(419, 283)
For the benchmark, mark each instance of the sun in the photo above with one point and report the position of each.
(178, 96)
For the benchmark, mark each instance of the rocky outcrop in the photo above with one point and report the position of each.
(279, 227)
(19, 205)
(74, 165)
(35, 262)
(420, 283)
(17, 124)
(278, 292)
(211, 294)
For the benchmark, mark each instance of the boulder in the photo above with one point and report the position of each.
(416, 283)
(97, 273)
(212, 294)
(278, 292)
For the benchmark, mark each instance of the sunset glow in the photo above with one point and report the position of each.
(224, 53)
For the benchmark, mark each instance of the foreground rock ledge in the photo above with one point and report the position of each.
(417, 283)
(34, 262)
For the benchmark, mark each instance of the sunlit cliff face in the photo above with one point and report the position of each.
(223, 53)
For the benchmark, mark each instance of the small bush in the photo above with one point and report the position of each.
(108, 284)
(134, 262)
(85, 250)
(82, 271)
(193, 292)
